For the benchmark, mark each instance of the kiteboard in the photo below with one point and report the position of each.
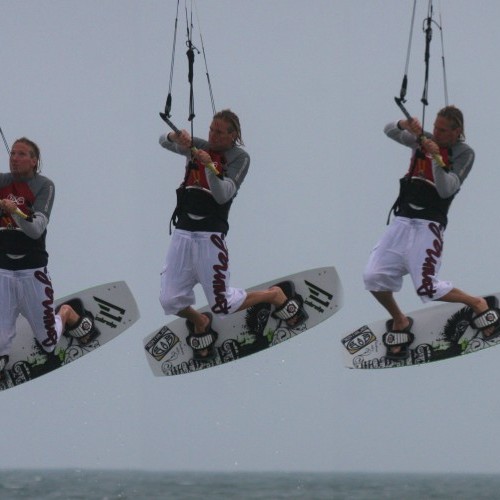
(441, 332)
(246, 332)
(114, 310)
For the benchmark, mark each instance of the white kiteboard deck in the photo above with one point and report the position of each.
(114, 309)
(441, 332)
(249, 331)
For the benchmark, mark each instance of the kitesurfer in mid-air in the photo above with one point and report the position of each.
(413, 242)
(198, 253)
(26, 199)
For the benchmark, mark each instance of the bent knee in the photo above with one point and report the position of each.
(373, 281)
(381, 282)
(173, 305)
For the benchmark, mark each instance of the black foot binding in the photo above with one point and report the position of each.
(489, 319)
(85, 330)
(4, 361)
(256, 318)
(292, 311)
(398, 338)
(203, 344)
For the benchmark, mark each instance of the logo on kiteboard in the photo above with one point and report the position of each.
(359, 339)
(162, 343)
(318, 298)
(109, 314)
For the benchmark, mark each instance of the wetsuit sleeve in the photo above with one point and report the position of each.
(33, 228)
(404, 137)
(44, 191)
(172, 146)
(175, 148)
(44, 196)
(234, 173)
(449, 182)
(222, 189)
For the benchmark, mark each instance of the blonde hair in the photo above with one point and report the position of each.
(233, 121)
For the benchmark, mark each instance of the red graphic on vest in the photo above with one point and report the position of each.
(21, 195)
(421, 165)
(197, 176)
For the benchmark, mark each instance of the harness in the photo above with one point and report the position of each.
(418, 197)
(196, 208)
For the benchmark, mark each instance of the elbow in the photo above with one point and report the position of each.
(220, 200)
(447, 193)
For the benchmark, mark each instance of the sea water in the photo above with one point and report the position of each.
(143, 485)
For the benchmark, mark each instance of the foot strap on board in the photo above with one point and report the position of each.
(292, 310)
(84, 330)
(398, 338)
(202, 341)
(488, 319)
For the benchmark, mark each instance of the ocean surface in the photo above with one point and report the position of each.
(140, 485)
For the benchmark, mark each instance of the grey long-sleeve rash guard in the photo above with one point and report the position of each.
(462, 156)
(235, 169)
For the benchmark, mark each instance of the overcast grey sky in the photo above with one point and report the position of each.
(313, 83)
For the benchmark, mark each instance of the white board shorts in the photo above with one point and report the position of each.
(28, 292)
(198, 257)
(409, 246)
